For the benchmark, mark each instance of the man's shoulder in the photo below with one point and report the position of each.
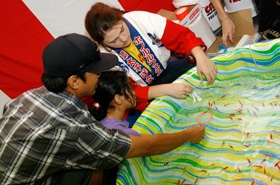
(62, 100)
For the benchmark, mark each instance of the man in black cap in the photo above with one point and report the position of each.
(48, 136)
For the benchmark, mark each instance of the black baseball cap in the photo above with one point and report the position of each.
(72, 53)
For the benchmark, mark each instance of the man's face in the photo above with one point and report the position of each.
(88, 87)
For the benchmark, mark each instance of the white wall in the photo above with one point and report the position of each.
(60, 17)
(64, 16)
(3, 99)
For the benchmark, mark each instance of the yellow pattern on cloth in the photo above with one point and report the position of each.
(133, 51)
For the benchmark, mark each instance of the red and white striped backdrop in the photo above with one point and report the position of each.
(28, 26)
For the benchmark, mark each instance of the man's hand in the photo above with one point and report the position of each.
(196, 133)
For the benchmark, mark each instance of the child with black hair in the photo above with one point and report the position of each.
(113, 96)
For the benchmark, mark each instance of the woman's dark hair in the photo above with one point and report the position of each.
(58, 84)
(110, 84)
(99, 19)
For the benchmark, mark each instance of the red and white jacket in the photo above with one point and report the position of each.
(167, 36)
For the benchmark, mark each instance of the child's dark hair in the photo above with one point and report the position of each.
(110, 83)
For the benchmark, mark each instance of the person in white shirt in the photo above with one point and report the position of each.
(215, 12)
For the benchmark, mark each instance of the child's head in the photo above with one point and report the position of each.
(111, 85)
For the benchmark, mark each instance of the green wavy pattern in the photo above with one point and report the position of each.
(242, 143)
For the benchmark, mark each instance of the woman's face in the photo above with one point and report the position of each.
(118, 36)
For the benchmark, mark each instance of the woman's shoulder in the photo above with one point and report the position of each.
(144, 18)
(139, 13)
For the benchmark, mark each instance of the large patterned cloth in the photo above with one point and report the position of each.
(242, 143)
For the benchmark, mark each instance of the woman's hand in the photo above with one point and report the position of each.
(228, 29)
(176, 90)
(228, 26)
(204, 65)
(207, 68)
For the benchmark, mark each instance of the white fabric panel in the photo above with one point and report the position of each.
(233, 6)
(60, 17)
(180, 3)
(3, 99)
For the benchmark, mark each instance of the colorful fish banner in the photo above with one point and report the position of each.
(241, 114)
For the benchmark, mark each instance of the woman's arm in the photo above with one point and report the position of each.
(228, 26)
(147, 93)
(177, 90)
(180, 39)
(205, 66)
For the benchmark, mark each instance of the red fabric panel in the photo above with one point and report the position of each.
(141, 93)
(147, 5)
(22, 39)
